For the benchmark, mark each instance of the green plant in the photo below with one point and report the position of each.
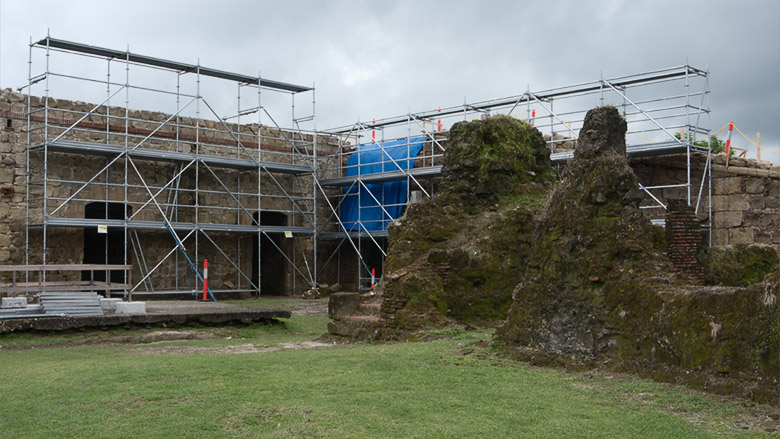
(717, 144)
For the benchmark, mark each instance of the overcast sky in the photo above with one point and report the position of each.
(381, 59)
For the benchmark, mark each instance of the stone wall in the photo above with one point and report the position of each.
(745, 196)
(213, 205)
(599, 290)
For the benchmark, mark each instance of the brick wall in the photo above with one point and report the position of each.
(683, 239)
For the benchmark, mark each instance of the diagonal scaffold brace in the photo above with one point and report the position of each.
(189, 261)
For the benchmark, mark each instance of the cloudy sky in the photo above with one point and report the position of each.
(381, 59)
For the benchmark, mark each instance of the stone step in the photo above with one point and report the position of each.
(365, 321)
(369, 309)
(370, 298)
(358, 327)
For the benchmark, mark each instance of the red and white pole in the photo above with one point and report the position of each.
(373, 277)
(728, 139)
(533, 116)
(728, 143)
(205, 279)
(438, 123)
(373, 132)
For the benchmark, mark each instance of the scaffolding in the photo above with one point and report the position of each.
(667, 110)
(176, 185)
(168, 188)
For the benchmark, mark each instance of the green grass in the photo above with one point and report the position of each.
(453, 387)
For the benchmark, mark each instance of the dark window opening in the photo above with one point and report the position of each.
(273, 265)
(104, 248)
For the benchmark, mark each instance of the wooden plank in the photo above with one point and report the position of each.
(62, 287)
(65, 267)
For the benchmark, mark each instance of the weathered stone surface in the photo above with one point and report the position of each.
(720, 237)
(130, 307)
(738, 265)
(159, 313)
(14, 302)
(343, 304)
(109, 304)
(598, 291)
(739, 202)
(727, 220)
(754, 186)
(741, 236)
(727, 185)
(456, 257)
(720, 203)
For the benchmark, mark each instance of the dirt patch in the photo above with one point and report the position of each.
(310, 307)
(248, 348)
(160, 336)
(756, 417)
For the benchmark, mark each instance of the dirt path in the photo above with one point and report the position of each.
(248, 348)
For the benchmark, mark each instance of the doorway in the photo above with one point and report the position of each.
(273, 266)
(104, 248)
(372, 256)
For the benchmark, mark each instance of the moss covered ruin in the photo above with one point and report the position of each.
(601, 292)
(574, 272)
(457, 256)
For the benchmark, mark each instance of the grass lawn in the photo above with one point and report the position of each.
(449, 388)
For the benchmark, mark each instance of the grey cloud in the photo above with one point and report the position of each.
(405, 55)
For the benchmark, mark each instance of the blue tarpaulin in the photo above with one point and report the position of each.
(389, 156)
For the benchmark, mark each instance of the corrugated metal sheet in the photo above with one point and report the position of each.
(75, 304)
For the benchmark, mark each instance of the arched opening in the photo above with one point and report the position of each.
(104, 248)
(273, 266)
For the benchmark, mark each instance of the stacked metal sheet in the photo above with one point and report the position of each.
(28, 312)
(75, 304)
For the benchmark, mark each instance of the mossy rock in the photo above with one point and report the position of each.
(492, 158)
(599, 291)
(465, 246)
(738, 266)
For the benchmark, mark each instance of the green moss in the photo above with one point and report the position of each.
(741, 265)
(493, 158)
(598, 289)
(471, 240)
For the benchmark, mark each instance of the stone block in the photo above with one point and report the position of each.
(131, 308)
(727, 185)
(726, 220)
(109, 304)
(773, 188)
(754, 186)
(757, 202)
(6, 176)
(739, 202)
(14, 302)
(741, 235)
(720, 237)
(343, 304)
(720, 203)
(762, 237)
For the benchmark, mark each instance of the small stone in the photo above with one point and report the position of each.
(14, 302)
(131, 307)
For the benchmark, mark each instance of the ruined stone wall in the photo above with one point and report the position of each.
(745, 196)
(213, 205)
(599, 290)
